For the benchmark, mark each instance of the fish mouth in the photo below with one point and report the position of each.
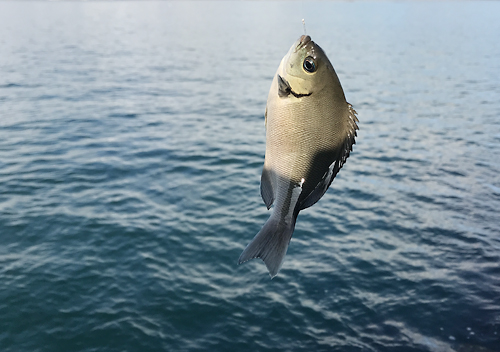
(303, 41)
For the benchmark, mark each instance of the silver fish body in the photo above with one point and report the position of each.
(310, 130)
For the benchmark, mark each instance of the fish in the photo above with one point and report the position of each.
(310, 131)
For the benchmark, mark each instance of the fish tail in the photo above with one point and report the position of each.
(270, 244)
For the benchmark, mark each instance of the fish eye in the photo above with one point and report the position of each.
(309, 64)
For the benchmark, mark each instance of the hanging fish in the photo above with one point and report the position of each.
(310, 130)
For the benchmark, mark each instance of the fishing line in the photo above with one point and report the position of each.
(303, 16)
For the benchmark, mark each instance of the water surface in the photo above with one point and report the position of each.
(131, 146)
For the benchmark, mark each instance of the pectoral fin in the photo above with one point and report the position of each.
(284, 88)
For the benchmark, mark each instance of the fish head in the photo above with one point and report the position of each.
(305, 67)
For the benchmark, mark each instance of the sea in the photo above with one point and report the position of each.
(132, 140)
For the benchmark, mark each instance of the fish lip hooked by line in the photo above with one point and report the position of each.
(303, 41)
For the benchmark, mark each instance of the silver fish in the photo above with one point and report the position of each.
(310, 130)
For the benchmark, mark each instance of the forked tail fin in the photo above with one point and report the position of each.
(270, 244)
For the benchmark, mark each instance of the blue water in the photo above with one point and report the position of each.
(131, 145)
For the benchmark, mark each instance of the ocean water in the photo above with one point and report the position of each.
(131, 145)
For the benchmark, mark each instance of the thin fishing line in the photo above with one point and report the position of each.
(303, 16)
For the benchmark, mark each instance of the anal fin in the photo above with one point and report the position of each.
(266, 187)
